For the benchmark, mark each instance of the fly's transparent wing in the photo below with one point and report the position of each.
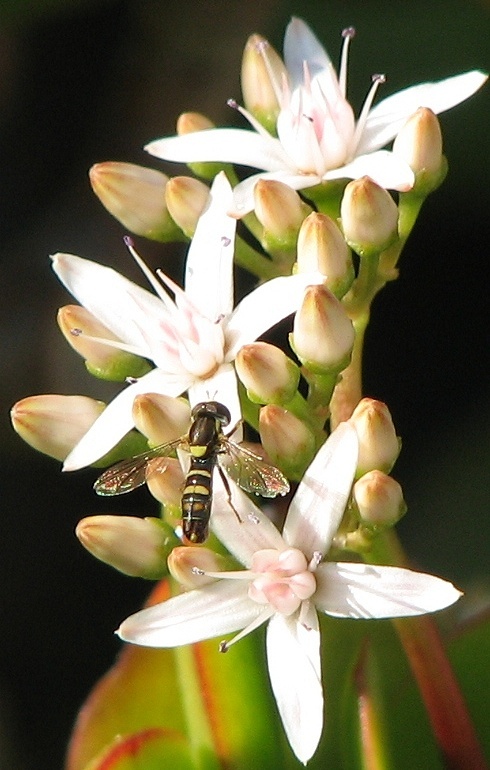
(250, 472)
(132, 473)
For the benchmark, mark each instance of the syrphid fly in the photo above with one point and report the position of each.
(208, 447)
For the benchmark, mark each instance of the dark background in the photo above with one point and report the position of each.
(82, 82)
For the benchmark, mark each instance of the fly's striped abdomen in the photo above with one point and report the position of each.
(196, 499)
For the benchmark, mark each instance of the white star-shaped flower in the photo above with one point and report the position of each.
(286, 582)
(318, 137)
(192, 339)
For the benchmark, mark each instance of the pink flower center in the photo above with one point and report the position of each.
(282, 579)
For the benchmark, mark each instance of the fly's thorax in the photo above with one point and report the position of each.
(204, 436)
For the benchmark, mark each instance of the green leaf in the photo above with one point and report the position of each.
(151, 749)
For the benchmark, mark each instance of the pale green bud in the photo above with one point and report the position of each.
(323, 334)
(379, 445)
(269, 376)
(379, 500)
(263, 72)
(136, 547)
(135, 196)
(419, 143)
(186, 198)
(187, 564)
(289, 443)
(54, 424)
(161, 418)
(369, 217)
(281, 212)
(82, 331)
(322, 248)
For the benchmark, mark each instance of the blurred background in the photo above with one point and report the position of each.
(83, 81)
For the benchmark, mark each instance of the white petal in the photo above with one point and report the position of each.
(225, 145)
(244, 536)
(366, 591)
(384, 167)
(301, 45)
(243, 193)
(108, 295)
(293, 657)
(116, 419)
(317, 507)
(218, 608)
(386, 119)
(264, 307)
(222, 387)
(209, 266)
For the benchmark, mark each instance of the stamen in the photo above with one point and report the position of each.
(110, 343)
(161, 293)
(131, 380)
(197, 571)
(248, 116)
(348, 33)
(253, 518)
(225, 240)
(361, 121)
(262, 47)
(315, 560)
(261, 618)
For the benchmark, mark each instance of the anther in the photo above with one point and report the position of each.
(76, 332)
(223, 647)
(349, 32)
(197, 571)
(225, 240)
(128, 241)
(131, 380)
(232, 103)
(253, 518)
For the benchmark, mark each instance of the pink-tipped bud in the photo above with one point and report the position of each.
(54, 424)
(189, 122)
(165, 480)
(379, 500)
(161, 418)
(281, 212)
(289, 443)
(419, 143)
(186, 198)
(136, 547)
(79, 327)
(269, 376)
(323, 335)
(369, 217)
(263, 73)
(187, 564)
(322, 249)
(135, 196)
(379, 445)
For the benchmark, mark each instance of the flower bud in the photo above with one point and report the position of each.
(54, 424)
(369, 217)
(322, 248)
(263, 72)
(82, 330)
(289, 443)
(136, 547)
(166, 484)
(281, 212)
(187, 563)
(419, 143)
(135, 196)
(323, 335)
(189, 122)
(379, 445)
(379, 500)
(186, 198)
(269, 376)
(161, 418)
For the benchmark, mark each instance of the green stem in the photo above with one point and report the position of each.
(253, 262)
(439, 688)
(348, 391)
(199, 730)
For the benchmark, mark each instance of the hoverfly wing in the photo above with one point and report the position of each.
(250, 471)
(130, 474)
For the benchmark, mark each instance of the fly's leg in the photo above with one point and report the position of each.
(228, 492)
